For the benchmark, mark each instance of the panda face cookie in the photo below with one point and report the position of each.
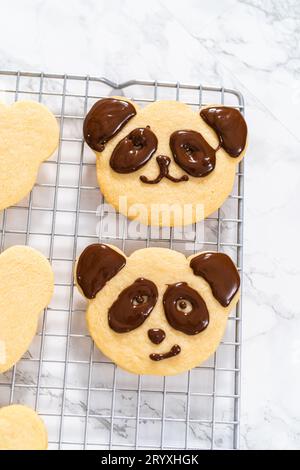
(165, 164)
(28, 136)
(27, 284)
(156, 312)
(21, 429)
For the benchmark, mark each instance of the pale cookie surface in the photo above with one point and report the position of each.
(28, 136)
(161, 267)
(21, 429)
(189, 200)
(27, 284)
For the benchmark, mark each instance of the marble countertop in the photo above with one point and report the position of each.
(250, 45)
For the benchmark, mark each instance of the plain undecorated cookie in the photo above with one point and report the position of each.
(200, 195)
(27, 284)
(28, 136)
(103, 273)
(21, 429)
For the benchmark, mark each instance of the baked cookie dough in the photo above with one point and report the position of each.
(21, 429)
(156, 312)
(165, 164)
(26, 287)
(28, 136)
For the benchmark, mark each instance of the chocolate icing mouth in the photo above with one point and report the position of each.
(174, 351)
(163, 163)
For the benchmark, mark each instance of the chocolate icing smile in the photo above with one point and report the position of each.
(174, 351)
(163, 163)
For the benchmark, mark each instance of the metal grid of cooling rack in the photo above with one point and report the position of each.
(86, 401)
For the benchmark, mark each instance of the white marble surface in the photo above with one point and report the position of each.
(251, 45)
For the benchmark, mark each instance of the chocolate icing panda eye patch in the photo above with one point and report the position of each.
(21, 429)
(166, 154)
(156, 311)
(28, 136)
(26, 288)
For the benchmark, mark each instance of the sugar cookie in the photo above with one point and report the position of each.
(156, 311)
(27, 284)
(28, 136)
(21, 429)
(165, 164)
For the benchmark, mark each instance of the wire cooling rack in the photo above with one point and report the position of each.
(85, 400)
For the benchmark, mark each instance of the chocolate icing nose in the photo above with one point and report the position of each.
(156, 335)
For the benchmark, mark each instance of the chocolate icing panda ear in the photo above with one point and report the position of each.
(104, 120)
(230, 127)
(96, 265)
(220, 273)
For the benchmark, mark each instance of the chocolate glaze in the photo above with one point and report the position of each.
(163, 163)
(134, 150)
(97, 264)
(185, 309)
(182, 304)
(192, 153)
(133, 306)
(174, 351)
(156, 335)
(220, 273)
(104, 120)
(229, 125)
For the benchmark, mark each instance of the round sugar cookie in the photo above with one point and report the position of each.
(156, 311)
(28, 136)
(27, 284)
(21, 429)
(165, 164)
